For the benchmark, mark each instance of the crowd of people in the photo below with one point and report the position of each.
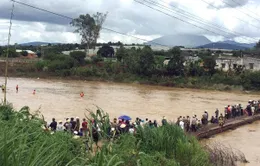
(230, 112)
(188, 124)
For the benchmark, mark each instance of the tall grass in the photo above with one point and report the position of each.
(165, 146)
(24, 142)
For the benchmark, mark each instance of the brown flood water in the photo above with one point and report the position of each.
(61, 99)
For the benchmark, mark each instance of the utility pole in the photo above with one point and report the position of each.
(7, 53)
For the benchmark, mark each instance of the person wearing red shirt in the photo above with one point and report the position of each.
(84, 127)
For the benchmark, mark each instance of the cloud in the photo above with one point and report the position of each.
(127, 16)
(227, 3)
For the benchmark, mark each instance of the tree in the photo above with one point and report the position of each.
(1, 51)
(219, 52)
(131, 60)
(175, 65)
(257, 44)
(237, 53)
(89, 28)
(209, 64)
(146, 61)
(106, 51)
(194, 69)
(24, 53)
(121, 53)
(79, 56)
(12, 53)
(39, 54)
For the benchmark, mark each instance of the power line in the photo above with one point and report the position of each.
(246, 8)
(246, 22)
(200, 20)
(70, 18)
(149, 6)
(240, 10)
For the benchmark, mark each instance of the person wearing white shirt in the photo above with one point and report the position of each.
(60, 126)
(181, 124)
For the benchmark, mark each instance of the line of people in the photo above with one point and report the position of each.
(230, 112)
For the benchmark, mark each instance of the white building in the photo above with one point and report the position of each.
(226, 63)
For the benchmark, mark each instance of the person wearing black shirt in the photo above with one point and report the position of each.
(73, 124)
(53, 125)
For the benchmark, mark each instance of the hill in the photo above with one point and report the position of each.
(221, 45)
(247, 45)
(185, 40)
(36, 43)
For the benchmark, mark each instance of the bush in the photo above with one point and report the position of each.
(166, 146)
(53, 56)
(64, 72)
(112, 67)
(41, 64)
(79, 56)
(55, 65)
(89, 71)
(251, 80)
(96, 59)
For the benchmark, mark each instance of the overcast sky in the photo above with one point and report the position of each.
(127, 16)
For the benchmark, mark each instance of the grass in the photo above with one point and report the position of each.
(24, 142)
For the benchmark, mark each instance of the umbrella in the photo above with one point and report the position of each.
(125, 117)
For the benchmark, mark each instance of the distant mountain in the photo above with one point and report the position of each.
(185, 40)
(250, 45)
(37, 43)
(221, 45)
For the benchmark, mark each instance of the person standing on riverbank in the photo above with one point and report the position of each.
(73, 124)
(216, 113)
(164, 121)
(60, 126)
(181, 124)
(17, 88)
(77, 124)
(193, 124)
(85, 126)
(34, 92)
(53, 125)
(221, 120)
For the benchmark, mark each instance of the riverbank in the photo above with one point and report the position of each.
(178, 82)
(117, 72)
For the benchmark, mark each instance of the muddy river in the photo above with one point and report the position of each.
(61, 99)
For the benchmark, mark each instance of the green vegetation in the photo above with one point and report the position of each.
(106, 51)
(12, 52)
(143, 66)
(24, 141)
